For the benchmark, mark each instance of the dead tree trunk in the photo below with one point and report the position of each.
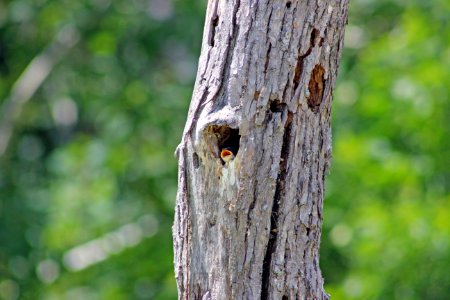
(250, 228)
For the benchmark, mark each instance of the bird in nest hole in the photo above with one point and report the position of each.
(227, 154)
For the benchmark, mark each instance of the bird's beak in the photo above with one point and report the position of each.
(226, 155)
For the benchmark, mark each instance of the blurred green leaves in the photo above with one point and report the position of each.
(386, 214)
(88, 182)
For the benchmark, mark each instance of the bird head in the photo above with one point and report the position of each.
(227, 154)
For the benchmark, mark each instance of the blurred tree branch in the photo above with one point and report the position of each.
(31, 79)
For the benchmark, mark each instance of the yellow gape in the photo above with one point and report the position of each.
(226, 154)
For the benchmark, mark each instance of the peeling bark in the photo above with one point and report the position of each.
(250, 228)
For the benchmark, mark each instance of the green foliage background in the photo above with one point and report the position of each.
(90, 162)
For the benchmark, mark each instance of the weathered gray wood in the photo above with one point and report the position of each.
(250, 228)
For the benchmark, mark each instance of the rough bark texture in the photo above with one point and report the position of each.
(250, 228)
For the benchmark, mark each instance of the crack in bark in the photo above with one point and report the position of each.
(235, 11)
(316, 87)
(267, 58)
(269, 19)
(301, 58)
(280, 186)
(213, 24)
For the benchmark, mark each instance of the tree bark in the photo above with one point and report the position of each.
(250, 228)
